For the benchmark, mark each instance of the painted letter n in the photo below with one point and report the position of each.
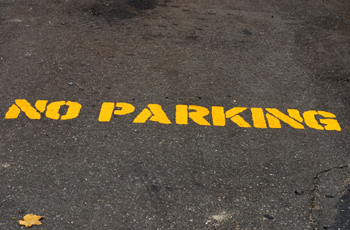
(24, 106)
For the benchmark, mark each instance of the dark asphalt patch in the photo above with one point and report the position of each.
(120, 9)
(102, 10)
(142, 4)
(331, 199)
(343, 216)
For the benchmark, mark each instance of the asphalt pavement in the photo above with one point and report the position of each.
(175, 114)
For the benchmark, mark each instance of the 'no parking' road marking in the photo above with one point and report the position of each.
(241, 116)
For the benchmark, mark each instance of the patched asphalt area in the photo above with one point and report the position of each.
(330, 198)
(86, 174)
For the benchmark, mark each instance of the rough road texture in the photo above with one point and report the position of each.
(83, 174)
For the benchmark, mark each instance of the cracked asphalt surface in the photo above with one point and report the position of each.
(85, 174)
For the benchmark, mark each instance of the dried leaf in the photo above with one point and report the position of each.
(29, 220)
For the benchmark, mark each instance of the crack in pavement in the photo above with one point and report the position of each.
(313, 206)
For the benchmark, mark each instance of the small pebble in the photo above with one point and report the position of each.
(326, 227)
(269, 217)
(70, 83)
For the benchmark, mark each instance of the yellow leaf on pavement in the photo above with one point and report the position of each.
(30, 219)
